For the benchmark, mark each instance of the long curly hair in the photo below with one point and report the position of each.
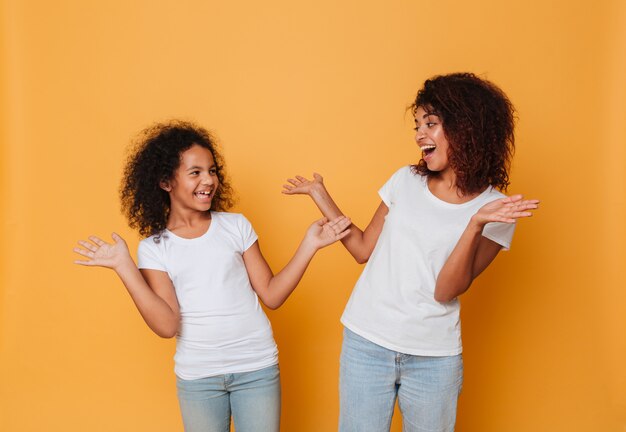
(478, 120)
(153, 158)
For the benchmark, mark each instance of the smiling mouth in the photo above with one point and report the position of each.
(204, 194)
(428, 149)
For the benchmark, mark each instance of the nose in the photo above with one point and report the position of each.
(419, 133)
(208, 179)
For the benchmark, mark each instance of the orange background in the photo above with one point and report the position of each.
(292, 87)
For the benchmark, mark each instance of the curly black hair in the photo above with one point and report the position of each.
(478, 120)
(153, 158)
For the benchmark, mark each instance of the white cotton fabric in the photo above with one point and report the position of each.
(393, 301)
(223, 328)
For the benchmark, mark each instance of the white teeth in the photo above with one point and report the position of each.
(427, 147)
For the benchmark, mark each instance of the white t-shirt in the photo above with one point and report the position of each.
(223, 329)
(393, 301)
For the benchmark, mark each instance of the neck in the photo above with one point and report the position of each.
(187, 219)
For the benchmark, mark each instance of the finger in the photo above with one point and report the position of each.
(84, 252)
(97, 240)
(316, 176)
(323, 221)
(302, 179)
(521, 214)
(503, 219)
(344, 223)
(84, 262)
(87, 245)
(116, 237)
(513, 198)
(343, 234)
(534, 203)
(293, 182)
(337, 223)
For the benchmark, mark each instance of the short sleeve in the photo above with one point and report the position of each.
(248, 235)
(501, 233)
(148, 256)
(387, 191)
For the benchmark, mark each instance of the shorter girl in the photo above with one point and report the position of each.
(199, 276)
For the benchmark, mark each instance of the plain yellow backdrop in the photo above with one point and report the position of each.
(291, 87)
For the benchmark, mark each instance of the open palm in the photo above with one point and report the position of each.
(103, 254)
(302, 186)
(506, 210)
(323, 233)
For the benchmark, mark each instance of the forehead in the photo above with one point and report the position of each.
(421, 113)
(196, 156)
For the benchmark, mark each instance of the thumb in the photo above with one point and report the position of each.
(322, 221)
(117, 238)
(513, 198)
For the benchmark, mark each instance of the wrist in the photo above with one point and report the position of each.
(125, 265)
(476, 223)
(309, 247)
(317, 190)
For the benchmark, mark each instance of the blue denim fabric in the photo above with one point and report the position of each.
(372, 377)
(252, 398)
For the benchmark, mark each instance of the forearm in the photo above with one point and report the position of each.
(457, 273)
(155, 311)
(284, 282)
(353, 242)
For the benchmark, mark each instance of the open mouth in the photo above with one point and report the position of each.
(428, 149)
(204, 194)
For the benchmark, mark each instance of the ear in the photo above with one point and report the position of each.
(165, 185)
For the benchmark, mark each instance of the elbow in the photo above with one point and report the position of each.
(443, 297)
(362, 258)
(272, 304)
(447, 295)
(167, 333)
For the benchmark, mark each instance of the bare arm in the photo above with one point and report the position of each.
(272, 289)
(473, 253)
(359, 243)
(151, 290)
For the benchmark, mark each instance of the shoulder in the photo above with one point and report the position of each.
(229, 219)
(153, 242)
(235, 223)
(492, 194)
(405, 174)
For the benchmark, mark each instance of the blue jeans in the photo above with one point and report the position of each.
(253, 399)
(372, 377)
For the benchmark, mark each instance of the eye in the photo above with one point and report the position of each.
(430, 124)
(213, 171)
(194, 172)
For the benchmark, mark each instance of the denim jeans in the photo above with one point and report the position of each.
(252, 398)
(372, 377)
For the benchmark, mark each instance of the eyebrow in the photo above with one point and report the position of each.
(425, 116)
(196, 167)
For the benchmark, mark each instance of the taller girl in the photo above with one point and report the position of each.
(200, 274)
(441, 222)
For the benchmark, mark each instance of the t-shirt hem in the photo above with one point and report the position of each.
(226, 371)
(403, 350)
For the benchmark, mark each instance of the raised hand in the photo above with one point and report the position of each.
(103, 254)
(302, 185)
(323, 233)
(506, 210)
